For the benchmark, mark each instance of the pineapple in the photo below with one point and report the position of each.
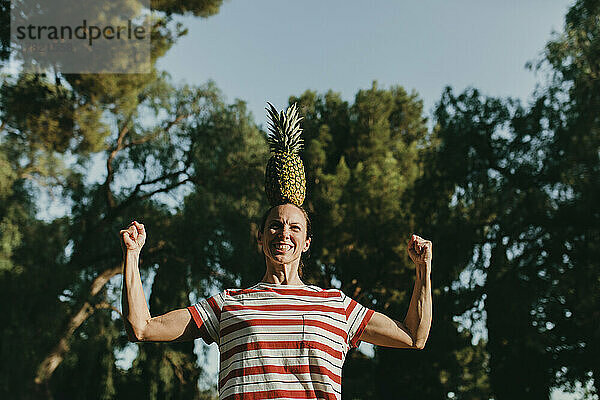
(285, 181)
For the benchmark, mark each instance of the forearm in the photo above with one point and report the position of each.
(135, 310)
(418, 317)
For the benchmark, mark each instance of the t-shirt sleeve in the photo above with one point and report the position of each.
(357, 318)
(207, 315)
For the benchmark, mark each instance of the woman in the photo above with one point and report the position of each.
(280, 338)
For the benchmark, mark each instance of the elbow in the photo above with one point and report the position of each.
(138, 336)
(133, 338)
(419, 344)
(134, 334)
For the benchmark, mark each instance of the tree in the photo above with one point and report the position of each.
(526, 180)
(489, 161)
(572, 177)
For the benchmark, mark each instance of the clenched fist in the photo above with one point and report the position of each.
(133, 238)
(420, 251)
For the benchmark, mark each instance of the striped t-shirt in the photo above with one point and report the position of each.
(280, 341)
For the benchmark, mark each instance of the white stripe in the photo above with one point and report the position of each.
(258, 383)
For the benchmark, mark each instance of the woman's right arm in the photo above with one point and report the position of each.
(176, 325)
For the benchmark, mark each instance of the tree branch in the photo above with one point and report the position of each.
(133, 196)
(176, 368)
(109, 168)
(166, 188)
(105, 304)
(53, 360)
(152, 136)
(121, 145)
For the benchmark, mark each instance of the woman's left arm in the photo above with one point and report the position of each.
(413, 331)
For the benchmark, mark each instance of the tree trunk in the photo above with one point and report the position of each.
(55, 357)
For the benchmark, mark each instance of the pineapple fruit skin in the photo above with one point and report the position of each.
(285, 180)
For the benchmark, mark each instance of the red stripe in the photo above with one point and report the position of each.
(215, 307)
(278, 369)
(259, 322)
(318, 345)
(196, 316)
(330, 328)
(277, 345)
(290, 291)
(356, 339)
(200, 324)
(283, 322)
(285, 307)
(351, 307)
(276, 394)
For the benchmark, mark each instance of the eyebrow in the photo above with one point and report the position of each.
(293, 223)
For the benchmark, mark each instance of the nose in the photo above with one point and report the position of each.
(285, 232)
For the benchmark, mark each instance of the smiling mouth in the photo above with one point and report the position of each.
(282, 247)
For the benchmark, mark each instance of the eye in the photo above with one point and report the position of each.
(296, 228)
(275, 225)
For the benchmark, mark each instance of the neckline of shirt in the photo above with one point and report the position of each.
(279, 285)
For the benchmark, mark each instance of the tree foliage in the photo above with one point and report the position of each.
(56, 132)
(526, 180)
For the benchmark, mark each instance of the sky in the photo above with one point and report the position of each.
(269, 50)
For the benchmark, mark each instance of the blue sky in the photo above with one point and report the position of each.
(267, 50)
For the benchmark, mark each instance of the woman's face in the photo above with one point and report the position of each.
(284, 237)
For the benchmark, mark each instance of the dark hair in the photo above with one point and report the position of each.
(309, 233)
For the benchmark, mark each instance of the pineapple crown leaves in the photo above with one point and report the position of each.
(284, 130)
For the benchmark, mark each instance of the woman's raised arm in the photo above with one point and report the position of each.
(176, 325)
(414, 330)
